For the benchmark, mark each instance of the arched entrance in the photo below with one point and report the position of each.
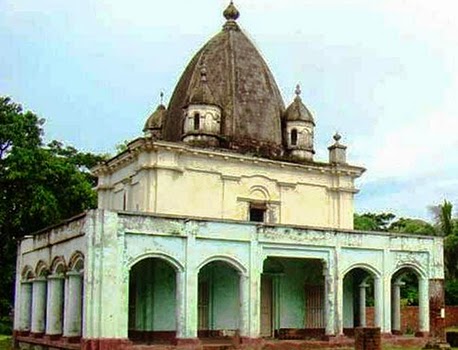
(219, 304)
(152, 301)
(292, 298)
(359, 293)
(409, 299)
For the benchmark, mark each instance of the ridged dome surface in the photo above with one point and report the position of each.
(242, 85)
(156, 119)
(297, 111)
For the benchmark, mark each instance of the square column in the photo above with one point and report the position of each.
(55, 305)
(254, 290)
(386, 327)
(25, 317)
(244, 288)
(379, 305)
(329, 302)
(187, 298)
(38, 306)
(423, 304)
(73, 305)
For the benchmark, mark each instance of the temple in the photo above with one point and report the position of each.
(218, 225)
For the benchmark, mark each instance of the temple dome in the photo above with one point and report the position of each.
(241, 84)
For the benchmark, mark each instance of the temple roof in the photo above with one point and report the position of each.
(240, 82)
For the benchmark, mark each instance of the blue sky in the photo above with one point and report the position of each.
(382, 73)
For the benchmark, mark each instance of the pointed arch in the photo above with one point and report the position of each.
(363, 266)
(58, 265)
(76, 262)
(27, 273)
(177, 265)
(418, 270)
(41, 269)
(236, 264)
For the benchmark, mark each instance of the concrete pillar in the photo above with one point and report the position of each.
(55, 305)
(73, 305)
(362, 304)
(386, 328)
(255, 270)
(25, 316)
(423, 304)
(181, 304)
(39, 305)
(189, 304)
(339, 306)
(396, 306)
(378, 301)
(329, 302)
(244, 287)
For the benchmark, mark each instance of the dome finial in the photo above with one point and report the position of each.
(298, 90)
(337, 137)
(161, 96)
(231, 12)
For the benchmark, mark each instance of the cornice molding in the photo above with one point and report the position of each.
(147, 145)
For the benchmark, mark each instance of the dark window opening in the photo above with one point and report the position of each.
(294, 137)
(257, 214)
(196, 121)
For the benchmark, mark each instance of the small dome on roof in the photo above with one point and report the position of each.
(297, 111)
(156, 119)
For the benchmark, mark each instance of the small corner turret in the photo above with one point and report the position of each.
(153, 125)
(299, 129)
(202, 116)
(337, 151)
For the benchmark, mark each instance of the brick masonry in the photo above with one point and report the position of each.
(368, 338)
(409, 318)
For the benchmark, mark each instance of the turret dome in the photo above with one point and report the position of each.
(153, 125)
(240, 83)
(297, 111)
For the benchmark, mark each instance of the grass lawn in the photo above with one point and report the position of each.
(5, 342)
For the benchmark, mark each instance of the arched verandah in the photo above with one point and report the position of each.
(292, 298)
(409, 293)
(361, 289)
(152, 301)
(219, 298)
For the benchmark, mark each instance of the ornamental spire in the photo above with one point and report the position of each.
(231, 13)
(298, 92)
(161, 96)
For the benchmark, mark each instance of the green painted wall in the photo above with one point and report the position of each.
(152, 305)
(164, 297)
(224, 306)
(291, 276)
(348, 303)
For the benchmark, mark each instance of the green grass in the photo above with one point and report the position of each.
(5, 342)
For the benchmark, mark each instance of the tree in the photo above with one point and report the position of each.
(414, 226)
(373, 221)
(39, 185)
(447, 226)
